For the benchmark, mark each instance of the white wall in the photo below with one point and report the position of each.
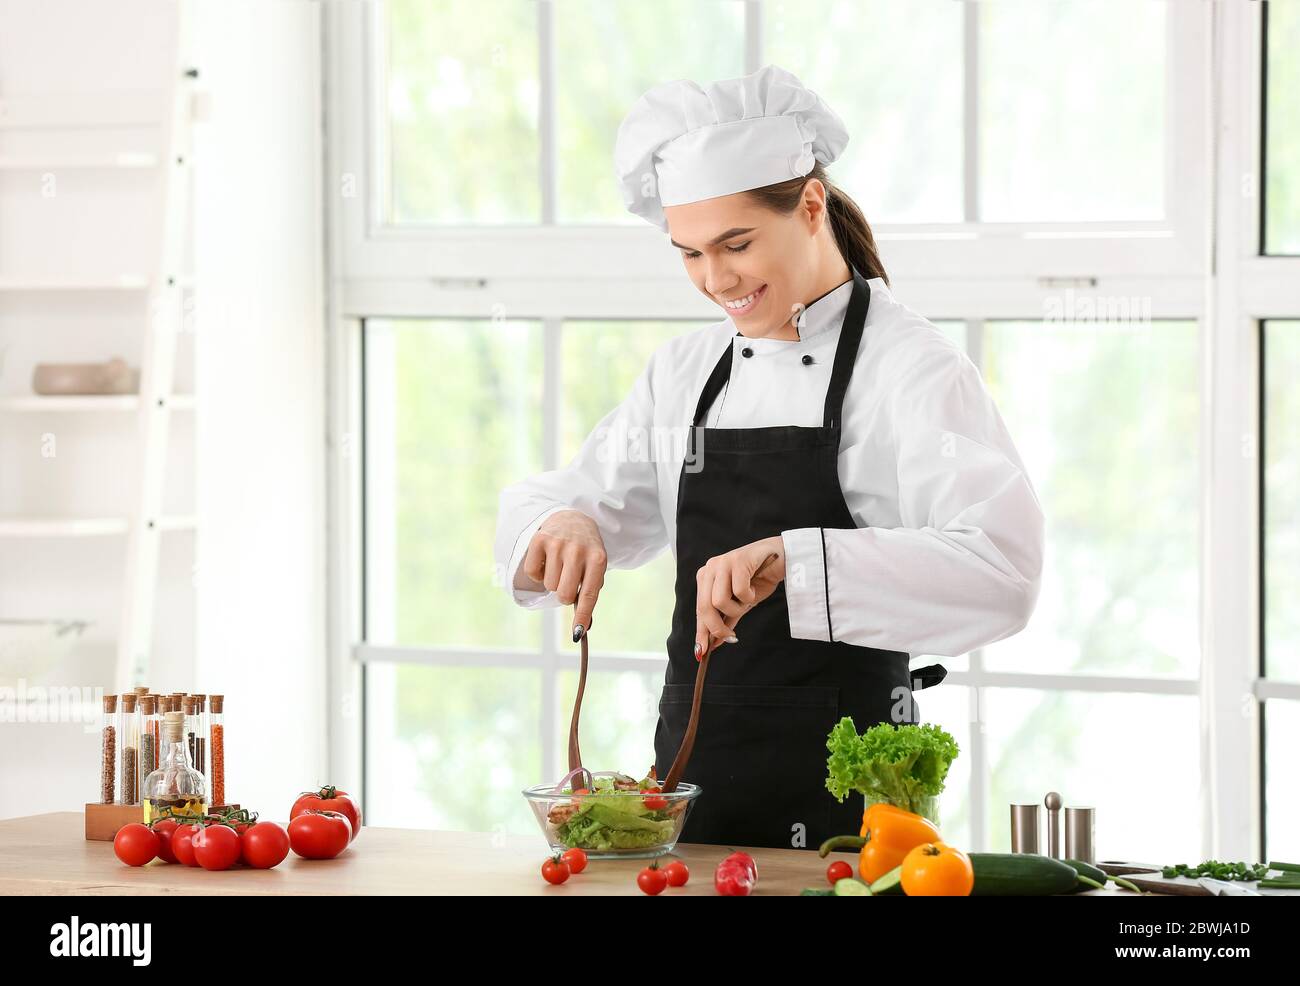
(240, 603)
(261, 384)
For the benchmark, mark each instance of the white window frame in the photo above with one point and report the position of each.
(947, 271)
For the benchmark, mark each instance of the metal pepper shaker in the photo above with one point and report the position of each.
(1053, 804)
(1024, 828)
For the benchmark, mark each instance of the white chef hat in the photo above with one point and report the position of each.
(682, 142)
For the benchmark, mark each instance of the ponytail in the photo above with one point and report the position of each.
(848, 225)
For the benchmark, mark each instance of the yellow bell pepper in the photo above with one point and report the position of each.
(891, 833)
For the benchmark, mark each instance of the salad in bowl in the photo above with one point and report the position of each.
(609, 814)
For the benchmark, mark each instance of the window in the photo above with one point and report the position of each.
(1057, 231)
(1282, 130)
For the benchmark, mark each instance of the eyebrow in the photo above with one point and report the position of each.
(734, 231)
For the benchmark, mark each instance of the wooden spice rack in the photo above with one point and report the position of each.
(103, 821)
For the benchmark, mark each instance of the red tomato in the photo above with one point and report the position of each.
(555, 870)
(183, 845)
(165, 828)
(652, 880)
(135, 844)
(319, 834)
(656, 802)
(264, 845)
(216, 847)
(329, 798)
(677, 873)
(838, 870)
(576, 858)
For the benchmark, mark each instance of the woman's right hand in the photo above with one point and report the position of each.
(567, 556)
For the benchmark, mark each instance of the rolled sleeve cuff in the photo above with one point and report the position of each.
(805, 584)
(524, 597)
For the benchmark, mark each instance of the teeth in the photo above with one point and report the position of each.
(741, 302)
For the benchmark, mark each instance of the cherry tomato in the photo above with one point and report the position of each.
(329, 798)
(165, 828)
(581, 790)
(319, 834)
(264, 845)
(652, 880)
(677, 873)
(135, 844)
(655, 801)
(575, 858)
(555, 870)
(183, 845)
(216, 847)
(838, 870)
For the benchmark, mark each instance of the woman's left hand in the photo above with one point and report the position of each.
(729, 586)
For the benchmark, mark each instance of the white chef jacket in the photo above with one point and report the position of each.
(947, 555)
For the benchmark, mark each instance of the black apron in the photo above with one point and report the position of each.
(770, 700)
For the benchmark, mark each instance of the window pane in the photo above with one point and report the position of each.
(1281, 795)
(620, 710)
(460, 98)
(1281, 500)
(608, 52)
(453, 414)
(949, 706)
(1127, 756)
(1105, 416)
(1085, 140)
(601, 361)
(1282, 131)
(451, 747)
(893, 72)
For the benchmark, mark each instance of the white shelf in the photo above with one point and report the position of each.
(40, 527)
(29, 403)
(131, 160)
(123, 282)
(58, 527)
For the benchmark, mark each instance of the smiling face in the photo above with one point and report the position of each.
(758, 265)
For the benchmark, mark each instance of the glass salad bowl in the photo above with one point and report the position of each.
(616, 817)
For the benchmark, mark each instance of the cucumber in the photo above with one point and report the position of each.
(890, 883)
(1020, 875)
(849, 887)
(816, 892)
(1085, 872)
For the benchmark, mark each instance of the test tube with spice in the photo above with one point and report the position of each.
(108, 754)
(128, 740)
(148, 735)
(187, 709)
(201, 735)
(217, 747)
(155, 729)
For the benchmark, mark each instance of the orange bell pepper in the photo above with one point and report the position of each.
(891, 833)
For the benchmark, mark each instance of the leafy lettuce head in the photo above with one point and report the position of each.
(902, 765)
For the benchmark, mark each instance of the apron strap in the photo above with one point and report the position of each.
(712, 388)
(929, 675)
(846, 350)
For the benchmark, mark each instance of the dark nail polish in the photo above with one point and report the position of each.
(577, 632)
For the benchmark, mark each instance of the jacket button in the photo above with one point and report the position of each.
(747, 352)
(807, 360)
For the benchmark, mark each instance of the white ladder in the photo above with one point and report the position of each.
(166, 318)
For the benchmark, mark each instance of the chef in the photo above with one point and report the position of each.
(844, 493)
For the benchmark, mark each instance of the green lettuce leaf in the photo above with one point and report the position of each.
(902, 765)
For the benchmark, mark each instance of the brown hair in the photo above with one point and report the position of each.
(848, 224)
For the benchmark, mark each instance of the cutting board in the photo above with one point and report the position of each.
(1146, 876)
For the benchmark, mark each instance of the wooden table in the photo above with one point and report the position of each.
(47, 854)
